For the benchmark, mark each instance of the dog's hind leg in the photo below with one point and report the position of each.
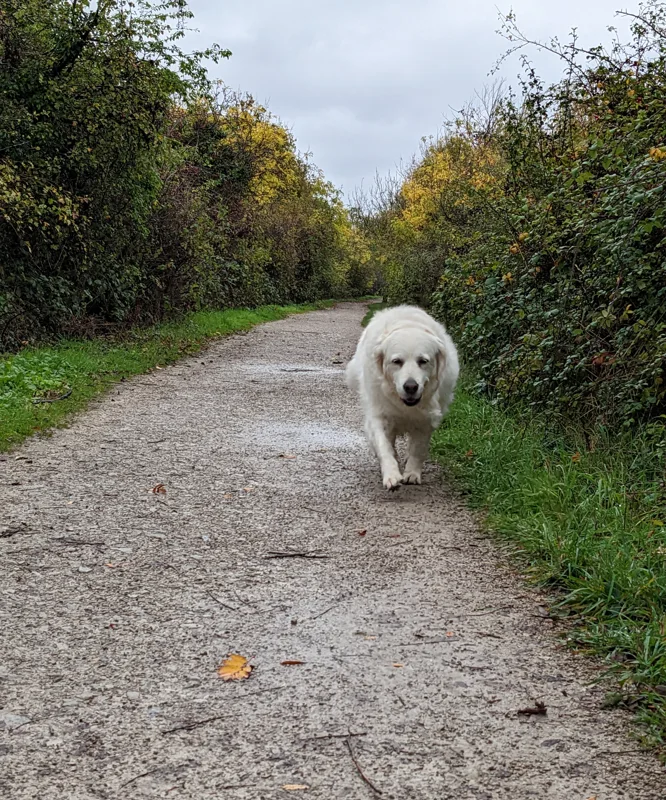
(417, 452)
(384, 446)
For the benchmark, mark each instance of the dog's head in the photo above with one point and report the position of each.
(411, 358)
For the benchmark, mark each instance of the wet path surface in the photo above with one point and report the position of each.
(118, 605)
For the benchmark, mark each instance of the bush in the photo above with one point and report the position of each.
(544, 222)
(128, 193)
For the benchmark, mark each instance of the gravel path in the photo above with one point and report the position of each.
(119, 604)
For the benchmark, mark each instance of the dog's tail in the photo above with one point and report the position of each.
(352, 375)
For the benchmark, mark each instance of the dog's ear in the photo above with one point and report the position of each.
(379, 354)
(441, 358)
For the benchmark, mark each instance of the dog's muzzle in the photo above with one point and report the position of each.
(410, 388)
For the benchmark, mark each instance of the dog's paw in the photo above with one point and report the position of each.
(392, 481)
(412, 477)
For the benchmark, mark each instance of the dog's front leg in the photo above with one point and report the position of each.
(385, 451)
(419, 446)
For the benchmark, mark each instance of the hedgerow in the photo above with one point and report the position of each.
(536, 230)
(130, 191)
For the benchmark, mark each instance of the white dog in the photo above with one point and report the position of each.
(405, 369)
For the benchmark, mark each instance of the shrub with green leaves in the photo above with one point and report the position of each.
(537, 233)
(129, 193)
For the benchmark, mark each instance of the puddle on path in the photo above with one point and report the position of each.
(290, 369)
(307, 436)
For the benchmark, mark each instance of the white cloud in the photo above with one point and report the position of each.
(360, 81)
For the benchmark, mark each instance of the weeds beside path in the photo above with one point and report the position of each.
(588, 518)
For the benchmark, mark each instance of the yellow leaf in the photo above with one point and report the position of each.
(234, 668)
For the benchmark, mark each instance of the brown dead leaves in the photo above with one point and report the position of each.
(234, 668)
(160, 488)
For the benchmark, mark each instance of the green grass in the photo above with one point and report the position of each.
(588, 523)
(373, 308)
(84, 369)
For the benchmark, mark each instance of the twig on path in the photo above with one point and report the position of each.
(485, 613)
(457, 546)
(37, 400)
(243, 602)
(321, 614)
(488, 634)
(358, 768)
(437, 640)
(335, 736)
(145, 775)
(9, 532)
(197, 723)
(539, 709)
(293, 554)
(219, 602)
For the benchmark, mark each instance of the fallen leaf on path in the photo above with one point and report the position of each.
(234, 668)
(286, 455)
(398, 665)
(538, 709)
(394, 536)
(450, 633)
(291, 663)
(363, 532)
(295, 787)
(159, 488)
(370, 637)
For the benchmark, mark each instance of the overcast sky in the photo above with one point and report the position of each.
(359, 82)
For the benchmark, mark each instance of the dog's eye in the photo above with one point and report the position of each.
(422, 362)
(397, 361)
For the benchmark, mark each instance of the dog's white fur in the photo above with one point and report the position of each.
(400, 346)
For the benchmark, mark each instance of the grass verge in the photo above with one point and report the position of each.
(373, 308)
(587, 518)
(33, 380)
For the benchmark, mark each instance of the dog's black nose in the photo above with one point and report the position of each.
(410, 386)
